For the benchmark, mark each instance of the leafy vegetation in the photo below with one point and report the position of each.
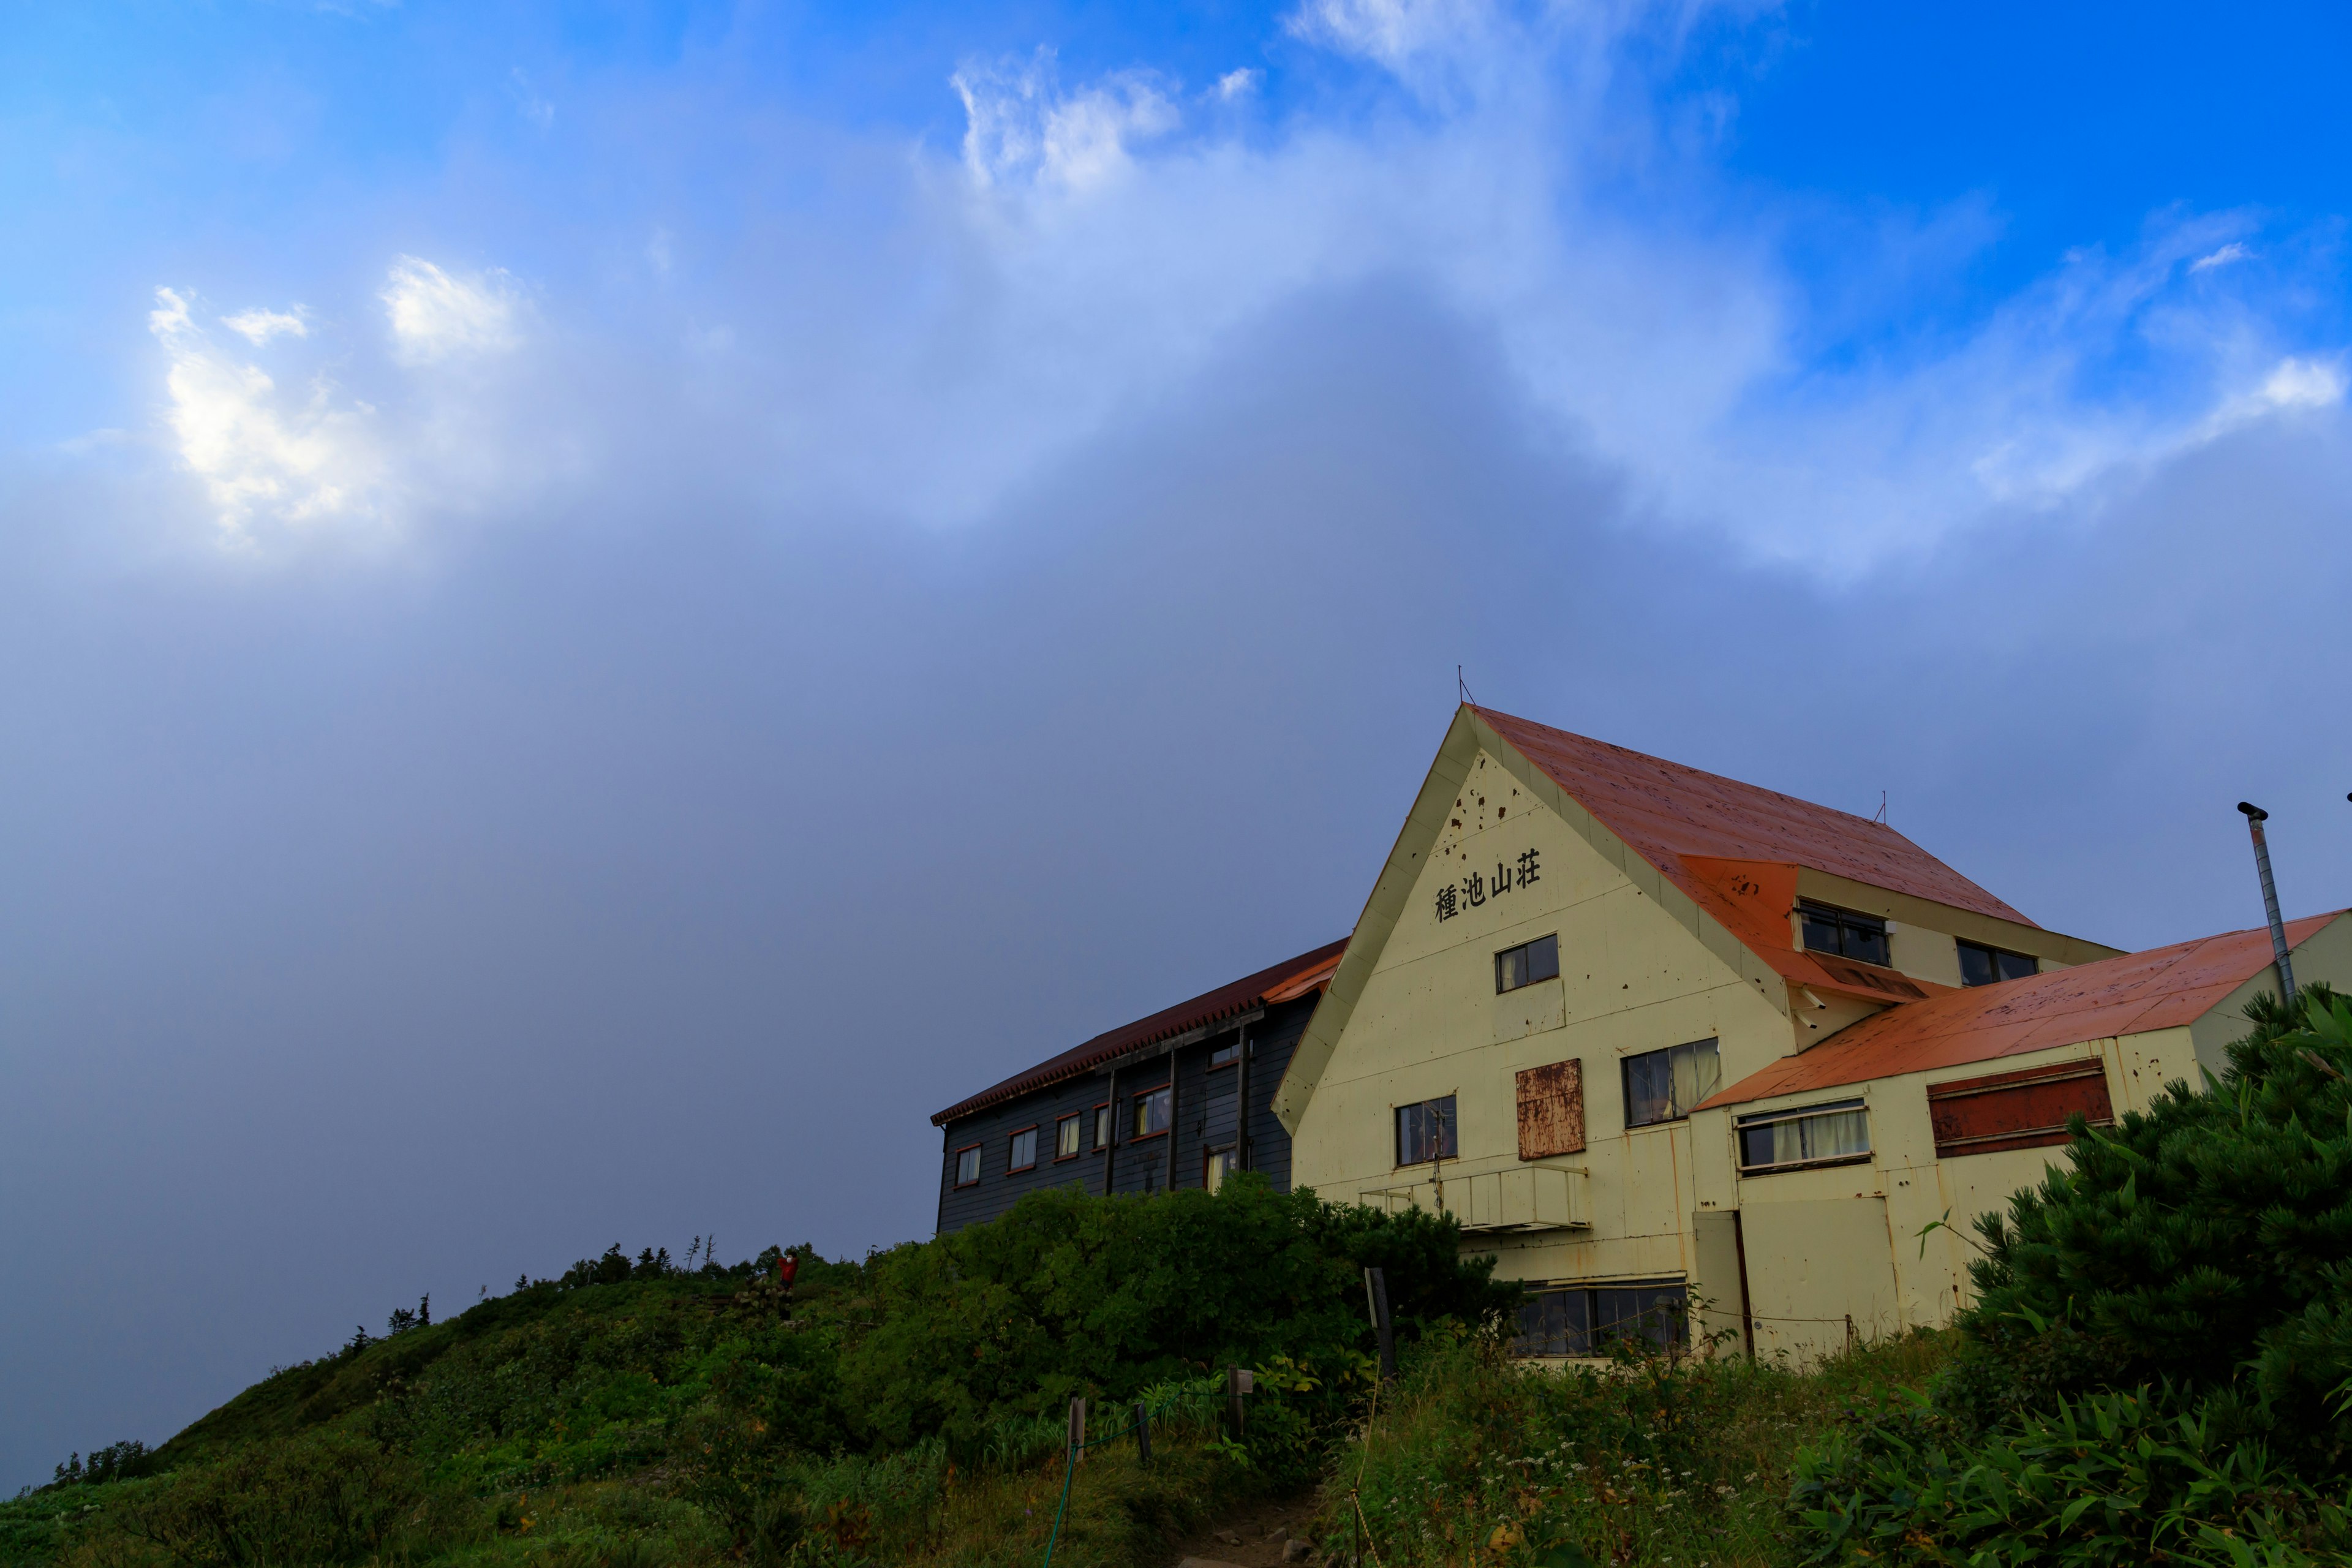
(2157, 1369)
(906, 1408)
(2159, 1359)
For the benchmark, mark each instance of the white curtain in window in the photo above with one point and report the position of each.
(1698, 1072)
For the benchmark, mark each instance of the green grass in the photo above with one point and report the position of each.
(1472, 1458)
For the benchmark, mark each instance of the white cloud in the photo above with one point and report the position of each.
(1020, 126)
(259, 326)
(528, 102)
(2304, 384)
(256, 450)
(1651, 318)
(436, 317)
(2233, 251)
(1391, 33)
(1238, 84)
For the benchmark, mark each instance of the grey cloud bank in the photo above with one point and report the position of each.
(694, 705)
(643, 869)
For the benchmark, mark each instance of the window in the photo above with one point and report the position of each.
(1817, 1135)
(1586, 1319)
(1220, 1165)
(1982, 965)
(1841, 931)
(1102, 1126)
(1526, 963)
(1024, 1151)
(1065, 1138)
(2024, 1109)
(1425, 1132)
(1225, 1056)
(1663, 1086)
(1152, 1113)
(968, 1166)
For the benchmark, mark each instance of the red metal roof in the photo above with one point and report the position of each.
(1734, 847)
(1670, 812)
(1283, 983)
(2162, 988)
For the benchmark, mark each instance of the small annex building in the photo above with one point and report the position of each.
(1661, 1038)
(1180, 1098)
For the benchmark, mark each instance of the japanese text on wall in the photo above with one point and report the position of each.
(1475, 889)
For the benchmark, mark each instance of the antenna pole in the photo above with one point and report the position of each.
(2256, 818)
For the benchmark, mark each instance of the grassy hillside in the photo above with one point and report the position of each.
(2160, 1370)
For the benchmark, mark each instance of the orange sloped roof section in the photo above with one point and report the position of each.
(1285, 982)
(2162, 988)
(1671, 813)
(1735, 848)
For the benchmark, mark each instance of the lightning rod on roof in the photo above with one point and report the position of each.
(1462, 688)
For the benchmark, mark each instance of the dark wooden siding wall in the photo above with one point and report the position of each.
(1207, 1101)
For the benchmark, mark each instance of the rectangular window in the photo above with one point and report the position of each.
(1219, 1165)
(1152, 1113)
(1982, 966)
(2022, 1109)
(1862, 938)
(1426, 1132)
(1583, 1320)
(1102, 1126)
(1817, 1135)
(1225, 1056)
(1526, 963)
(1065, 1138)
(968, 1166)
(1663, 1086)
(1024, 1151)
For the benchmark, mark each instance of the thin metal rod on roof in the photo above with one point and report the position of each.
(2256, 818)
(1462, 688)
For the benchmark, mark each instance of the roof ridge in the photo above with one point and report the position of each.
(1491, 714)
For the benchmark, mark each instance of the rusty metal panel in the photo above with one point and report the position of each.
(2024, 1110)
(1551, 1109)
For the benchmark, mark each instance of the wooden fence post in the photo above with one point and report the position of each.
(1143, 1436)
(1078, 1429)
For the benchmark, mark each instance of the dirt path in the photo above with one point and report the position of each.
(1252, 1536)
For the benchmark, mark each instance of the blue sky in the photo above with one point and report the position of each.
(604, 607)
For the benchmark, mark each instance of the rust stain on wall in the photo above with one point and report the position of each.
(1551, 1109)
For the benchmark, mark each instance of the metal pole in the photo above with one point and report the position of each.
(1376, 1296)
(2256, 818)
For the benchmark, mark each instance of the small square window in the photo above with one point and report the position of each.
(1982, 966)
(1225, 1056)
(1024, 1150)
(1663, 1086)
(1426, 1132)
(1151, 1108)
(1065, 1138)
(967, 1166)
(1526, 963)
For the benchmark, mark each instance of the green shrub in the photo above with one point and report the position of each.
(331, 1497)
(1070, 1295)
(2205, 1239)
(2107, 1479)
